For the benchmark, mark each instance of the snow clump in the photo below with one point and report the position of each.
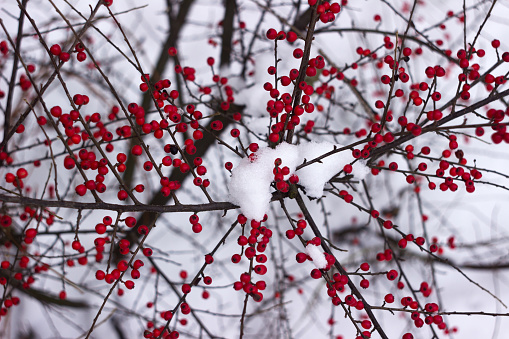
(317, 256)
(249, 186)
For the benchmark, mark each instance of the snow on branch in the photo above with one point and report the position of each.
(250, 182)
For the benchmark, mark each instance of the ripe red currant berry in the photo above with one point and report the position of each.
(205, 294)
(143, 229)
(385, 79)
(298, 53)
(241, 219)
(387, 224)
(285, 81)
(136, 150)
(404, 77)
(236, 258)
(364, 283)
(209, 259)
(366, 324)
(356, 153)
(22, 173)
(210, 61)
(64, 56)
(186, 288)
(122, 265)
(225, 106)
(122, 195)
(81, 190)
(271, 34)
(242, 240)
(10, 178)
(62, 295)
(99, 275)
(253, 147)
(81, 56)
(31, 68)
(137, 264)
(194, 218)
(350, 300)
(316, 274)
(129, 284)
(436, 96)
(172, 51)
(290, 234)
(301, 257)
(402, 243)
(261, 258)
(392, 275)
(82, 261)
(42, 121)
(505, 56)
(55, 49)
(260, 269)
(135, 274)
(100, 228)
(274, 137)
(76, 245)
(311, 71)
(291, 36)
(335, 8)
(389, 298)
(235, 133)
(216, 125)
(130, 222)
(147, 166)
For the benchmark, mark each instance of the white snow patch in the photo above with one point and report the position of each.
(360, 170)
(254, 97)
(317, 255)
(314, 176)
(249, 186)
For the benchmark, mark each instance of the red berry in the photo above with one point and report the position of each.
(137, 150)
(316, 274)
(172, 51)
(81, 190)
(55, 49)
(271, 34)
